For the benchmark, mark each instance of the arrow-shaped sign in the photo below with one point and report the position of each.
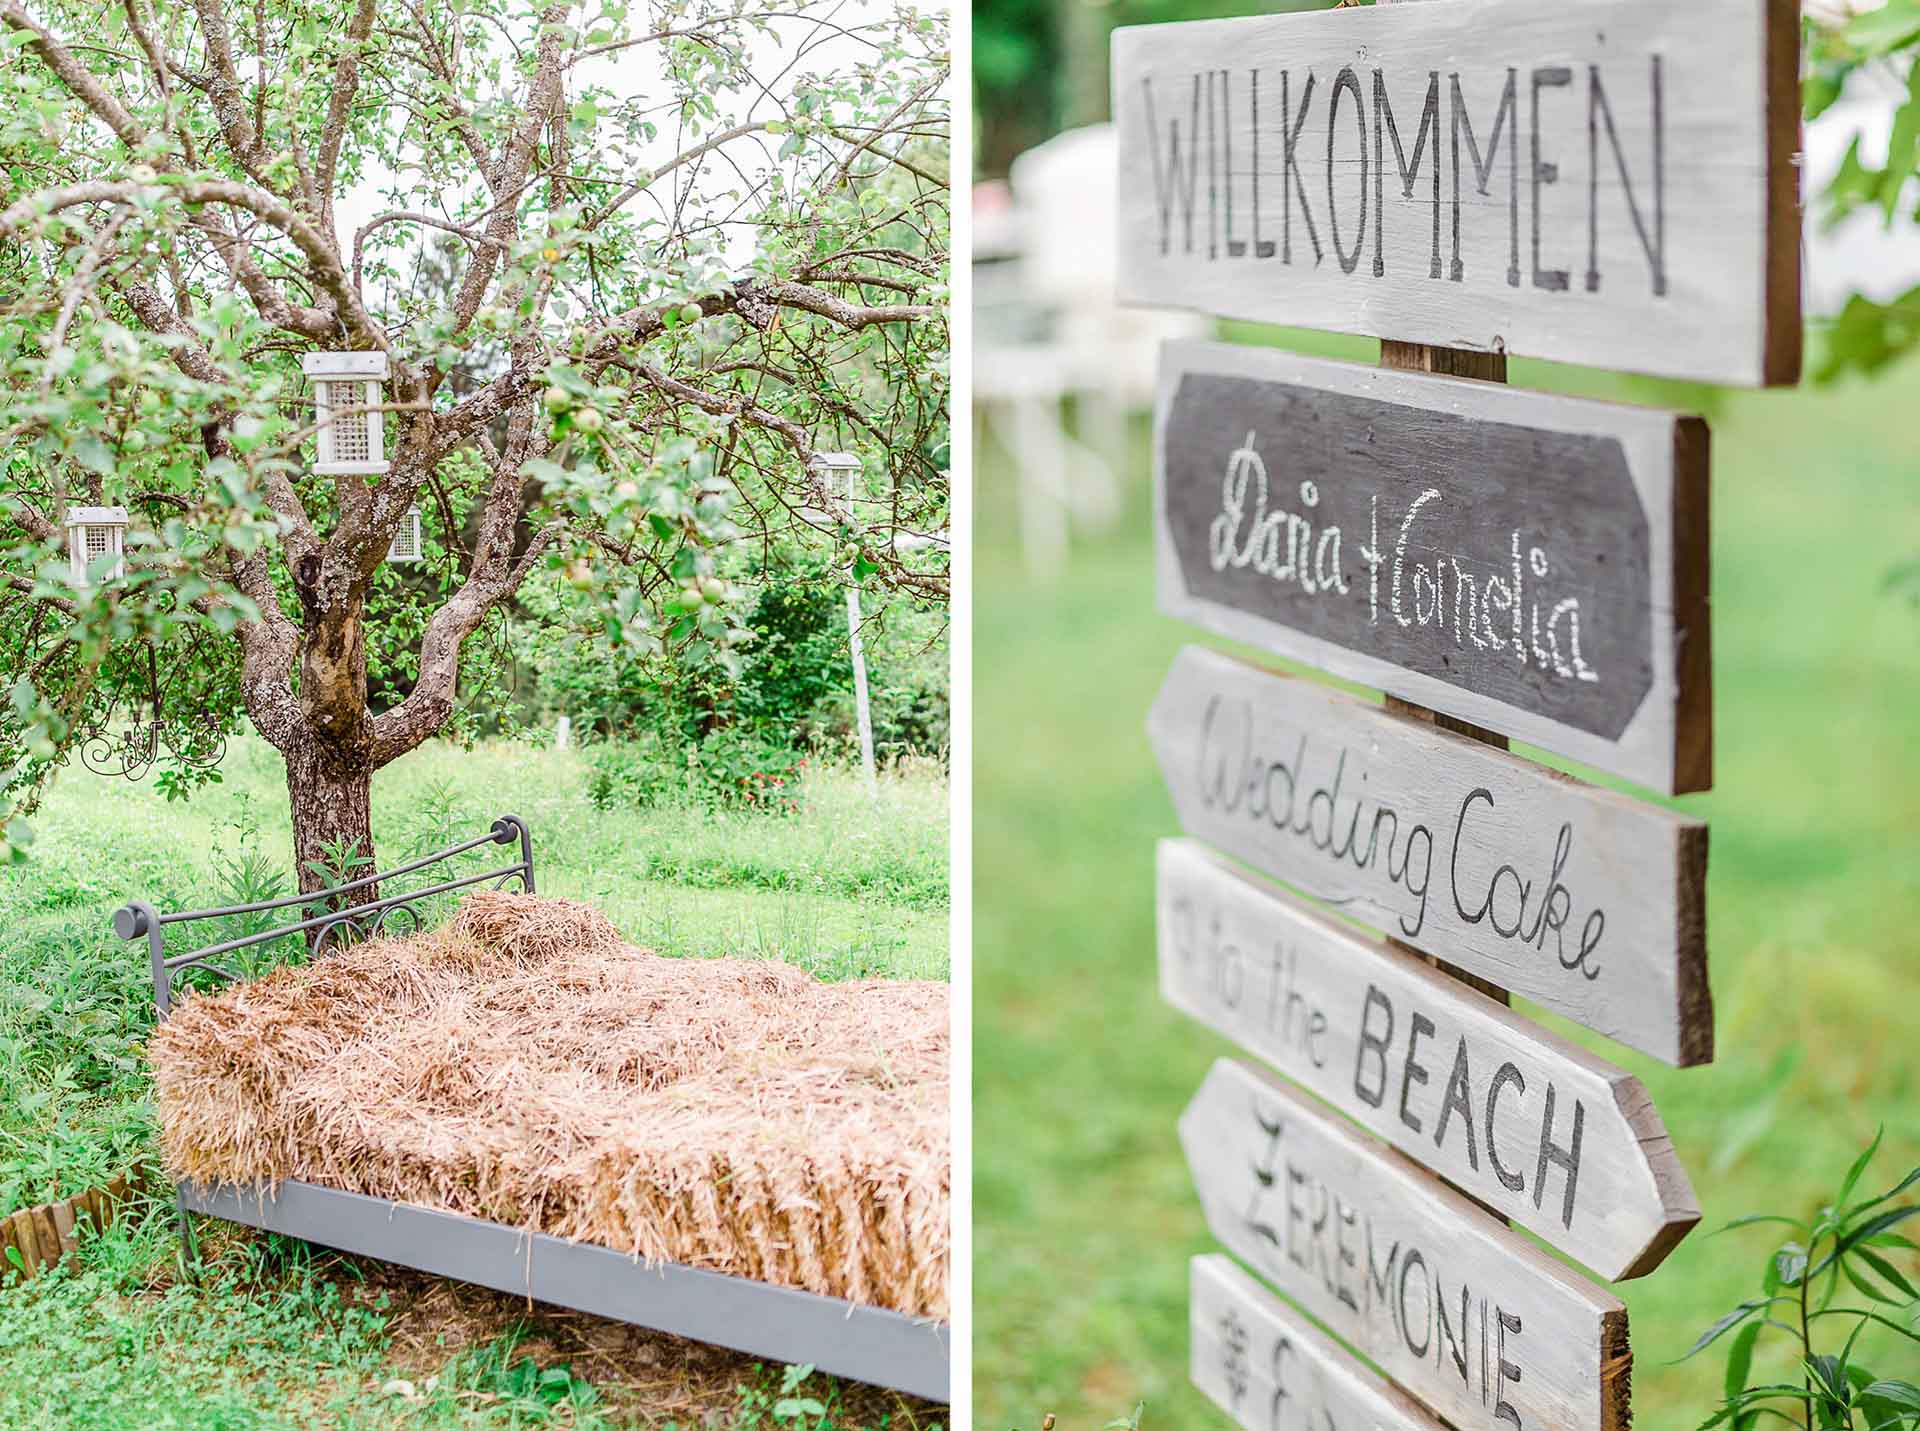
(1532, 563)
(1538, 1129)
(1586, 901)
(1469, 1317)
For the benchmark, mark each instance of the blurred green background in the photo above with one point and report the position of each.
(1084, 1216)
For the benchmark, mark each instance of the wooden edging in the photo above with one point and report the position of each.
(39, 1237)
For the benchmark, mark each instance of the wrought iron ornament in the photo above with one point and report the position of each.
(130, 751)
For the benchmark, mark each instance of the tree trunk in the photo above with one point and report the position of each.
(331, 793)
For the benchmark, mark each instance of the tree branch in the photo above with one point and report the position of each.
(323, 262)
(78, 79)
(346, 84)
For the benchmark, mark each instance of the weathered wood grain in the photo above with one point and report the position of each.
(1531, 563)
(1608, 182)
(62, 1213)
(8, 1243)
(1467, 1316)
(1270, 1369)
(1533, 1127)
(46, 1232)
(1583, 900)
(27, 1239)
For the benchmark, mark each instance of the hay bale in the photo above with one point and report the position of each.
(526, 1066)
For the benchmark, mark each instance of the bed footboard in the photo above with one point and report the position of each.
(342, 917)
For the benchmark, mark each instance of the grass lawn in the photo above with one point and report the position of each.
(1084, 1217)
(282, 1335)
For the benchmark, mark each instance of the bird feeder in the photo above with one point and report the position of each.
(824, 462)
(94, 532)
(355, 442)
(407, 544)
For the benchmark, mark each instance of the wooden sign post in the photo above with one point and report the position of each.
(1513, 559)
(1265, 1366)
(1536, 1128)
(1597, 181)
(1609, 182)
(1470, 1318)
(1586, 901)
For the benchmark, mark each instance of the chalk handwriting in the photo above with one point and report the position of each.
(1454, 594)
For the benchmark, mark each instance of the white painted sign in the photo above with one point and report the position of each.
(1267, 1367)
(1581, 899)
(1469, 1317)
(1608, 182)
(1538, 1129)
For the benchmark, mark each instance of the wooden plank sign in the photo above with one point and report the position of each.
(1532, 563)
(1536, 1128)
(1470, 1318)
(1609, 182)
(1583, 900)
(1266, 1366)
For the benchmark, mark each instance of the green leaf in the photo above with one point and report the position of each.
(1903, 1394)
(1826, 79)
(1740, 1359)
(1860, 1166)
(1790, 1265)
(1879, 32)
(1759, 1217)
(1866, 1288)
(1903, 146)
(1887, 1271)
(93, 454)
(1726, 1324)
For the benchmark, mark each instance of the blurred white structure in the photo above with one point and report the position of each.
(1861, 255)
(1047, 330)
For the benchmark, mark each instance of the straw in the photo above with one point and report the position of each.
(526, 1065)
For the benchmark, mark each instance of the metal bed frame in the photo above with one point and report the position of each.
(870, 1344)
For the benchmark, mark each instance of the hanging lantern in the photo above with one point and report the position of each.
(835, 462)
(94, 532)
(354, 443)
(407, 544)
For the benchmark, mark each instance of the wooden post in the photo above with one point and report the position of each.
(8, 1244)
(1492, 368)
(1488, 368)
(863, 710)
(27, 1239)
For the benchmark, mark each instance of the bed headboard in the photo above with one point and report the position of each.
(342, 919)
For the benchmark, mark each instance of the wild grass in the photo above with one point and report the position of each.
(1084, 1213)
(853, 885)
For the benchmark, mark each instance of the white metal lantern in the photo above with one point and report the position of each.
(407, 544)
(94, 532)
(355, 443)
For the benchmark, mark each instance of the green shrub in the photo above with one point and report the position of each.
(1798, 1282)
(794, 688)
(730, 768)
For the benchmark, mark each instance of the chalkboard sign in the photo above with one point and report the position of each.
(1586, 901)
(1609, 182)
(1532, 563)
(1470, 1318)
(1536, 1128)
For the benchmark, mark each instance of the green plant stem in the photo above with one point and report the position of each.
(1806, 1344)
